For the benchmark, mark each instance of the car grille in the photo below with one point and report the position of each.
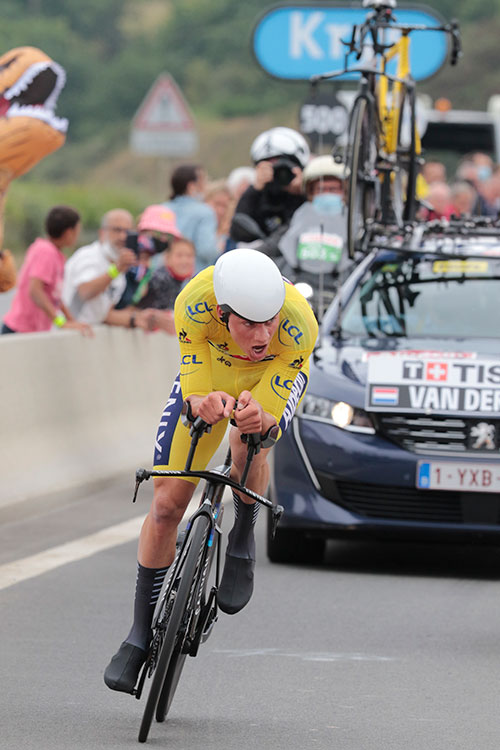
(407, 504)
(432, 434)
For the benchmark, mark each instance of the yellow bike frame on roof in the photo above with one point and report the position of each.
(389, 113)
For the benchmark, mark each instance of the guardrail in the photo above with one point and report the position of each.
(75, 410)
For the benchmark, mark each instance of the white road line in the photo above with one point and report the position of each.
(35, 565)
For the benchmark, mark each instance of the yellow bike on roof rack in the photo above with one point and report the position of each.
(383, 143)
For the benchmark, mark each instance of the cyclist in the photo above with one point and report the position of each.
(245, 338)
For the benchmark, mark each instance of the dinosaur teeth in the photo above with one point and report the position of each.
(25, 80)
(39, 113)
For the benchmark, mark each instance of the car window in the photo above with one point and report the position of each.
(426, 297)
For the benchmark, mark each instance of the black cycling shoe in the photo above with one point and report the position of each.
(123, 669)
(236, 586)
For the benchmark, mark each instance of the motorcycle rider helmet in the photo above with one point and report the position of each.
(248, 284)
(280, 142)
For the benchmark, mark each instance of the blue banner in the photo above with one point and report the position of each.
(299, 41)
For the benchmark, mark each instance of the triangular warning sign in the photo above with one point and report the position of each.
(164, 108)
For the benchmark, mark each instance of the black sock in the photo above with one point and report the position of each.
(241, 540)
(147, 590)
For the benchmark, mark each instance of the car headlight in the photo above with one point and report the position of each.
(339, 413)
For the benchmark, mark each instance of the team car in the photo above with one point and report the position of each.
(398, 434)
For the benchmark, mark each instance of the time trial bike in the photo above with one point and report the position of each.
(187, 605)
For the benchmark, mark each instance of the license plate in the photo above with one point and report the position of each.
(451, 475)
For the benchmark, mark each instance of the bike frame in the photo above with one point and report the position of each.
(186, 610)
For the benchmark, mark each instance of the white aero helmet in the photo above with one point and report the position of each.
(249, 284)
(324, 166)
(280, 142)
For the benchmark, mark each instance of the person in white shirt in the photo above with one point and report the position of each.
(94, 276)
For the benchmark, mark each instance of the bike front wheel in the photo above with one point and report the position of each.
(171, 661)
(362, 163)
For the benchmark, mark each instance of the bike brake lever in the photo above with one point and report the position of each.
(277, 511)
(140, 476)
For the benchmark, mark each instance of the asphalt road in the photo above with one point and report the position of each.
(382, 647)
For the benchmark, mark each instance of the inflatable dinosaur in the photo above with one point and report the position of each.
(30, 84)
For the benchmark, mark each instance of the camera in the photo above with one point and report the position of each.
(282, 171)
(143, 243)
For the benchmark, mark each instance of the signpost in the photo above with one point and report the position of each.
(323, 118)
(163, 125)
(298, 41)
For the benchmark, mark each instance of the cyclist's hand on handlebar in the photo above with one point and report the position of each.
(249, 414)
(213, 408)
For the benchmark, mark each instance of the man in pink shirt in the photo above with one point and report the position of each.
(37, 303)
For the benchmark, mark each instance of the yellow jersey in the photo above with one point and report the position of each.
(211, 360)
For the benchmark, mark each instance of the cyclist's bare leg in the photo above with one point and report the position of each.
(159, 531)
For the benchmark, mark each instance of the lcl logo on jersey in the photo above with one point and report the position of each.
(287, 331)
(191, 359)
(196, 311)
(281, 386)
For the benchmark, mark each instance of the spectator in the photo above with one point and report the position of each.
(490, 191)
(434, 171)
(463, 197)
(195, 220)
(279, 154)
(238, 181)
(476, 168)
(440, 202)
(37, 304)
(218, 196)
(156, 225)
(94, 277)
(167, 281)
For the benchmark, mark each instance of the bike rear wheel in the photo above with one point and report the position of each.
(182, 600)
(405, 180)
(362, 161)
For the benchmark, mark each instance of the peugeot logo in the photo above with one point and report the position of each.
(484, 436)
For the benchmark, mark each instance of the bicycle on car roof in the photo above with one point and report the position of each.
(384, 149)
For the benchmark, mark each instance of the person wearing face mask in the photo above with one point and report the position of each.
(315, 240)
(94, 276)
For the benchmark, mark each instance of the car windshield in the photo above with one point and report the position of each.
(426, 297)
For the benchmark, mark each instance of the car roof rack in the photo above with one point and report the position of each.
(459, 237)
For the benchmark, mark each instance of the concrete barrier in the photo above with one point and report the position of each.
(75, 410)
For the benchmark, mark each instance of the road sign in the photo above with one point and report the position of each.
(322, 118)
(299, 41)
(163, 125)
